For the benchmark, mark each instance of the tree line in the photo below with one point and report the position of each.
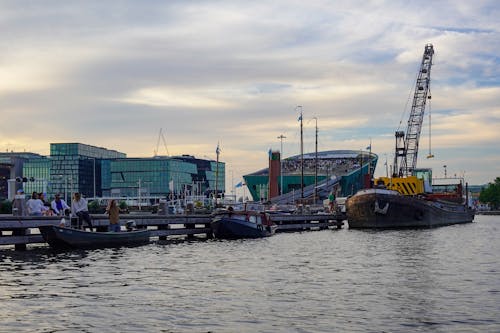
(491, 194)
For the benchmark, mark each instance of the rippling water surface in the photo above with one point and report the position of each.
(438, 280)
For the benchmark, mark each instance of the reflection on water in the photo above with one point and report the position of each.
(437, 280)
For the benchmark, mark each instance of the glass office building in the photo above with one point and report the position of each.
(76, 167)
(4, 180)
(207, 172)
(37, 173)
(163, 177)
(11, 172)
(99, 172)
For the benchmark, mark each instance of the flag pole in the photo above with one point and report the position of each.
(217, 151)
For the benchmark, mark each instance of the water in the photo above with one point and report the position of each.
(439, 280)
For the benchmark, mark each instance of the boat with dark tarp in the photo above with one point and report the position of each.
(242, 224)
(62, 237)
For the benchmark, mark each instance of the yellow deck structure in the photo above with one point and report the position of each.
(405, 185)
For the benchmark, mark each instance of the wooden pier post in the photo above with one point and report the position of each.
(210, 234)
(20, 232)
(190, 226)
(163, 227)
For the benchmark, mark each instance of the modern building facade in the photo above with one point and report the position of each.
(162, 176)
(348, 167)
(11, 172)
(37, 173)
(76, 167)
(97, 172)
(4, 180)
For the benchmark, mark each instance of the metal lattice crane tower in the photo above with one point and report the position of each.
(407, 146)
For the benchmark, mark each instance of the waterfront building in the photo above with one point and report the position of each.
(37, 174)
(4, 178)
(163, 176)
(99, 172)
(348, 167)
(76, 167)
(207, 173)
(11, 172)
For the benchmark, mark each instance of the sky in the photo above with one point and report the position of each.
(114, 73)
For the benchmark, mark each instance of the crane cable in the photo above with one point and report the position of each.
(430, 109)
(407, 102)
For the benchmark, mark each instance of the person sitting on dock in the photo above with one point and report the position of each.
(80, 208)
(35, 205)
(58, 205)
(114, 216)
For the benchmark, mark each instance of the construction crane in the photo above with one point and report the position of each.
(405, 157)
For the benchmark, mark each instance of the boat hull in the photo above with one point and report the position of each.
(228, 228)
(377, 208)
(59, 237)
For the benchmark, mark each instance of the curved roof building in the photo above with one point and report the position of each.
(343, 171)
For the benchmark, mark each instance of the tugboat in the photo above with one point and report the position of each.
(407, 199)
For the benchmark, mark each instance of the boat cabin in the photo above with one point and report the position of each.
(422, 183)
(256, 217)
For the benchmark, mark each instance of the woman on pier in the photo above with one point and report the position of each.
(35, 205)
(114, 216)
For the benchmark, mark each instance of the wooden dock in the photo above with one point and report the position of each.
(22, 231)
(298, 222)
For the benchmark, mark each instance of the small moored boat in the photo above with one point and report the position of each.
(243, 224)
(62, 237)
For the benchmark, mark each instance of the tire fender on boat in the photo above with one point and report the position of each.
(379, 210)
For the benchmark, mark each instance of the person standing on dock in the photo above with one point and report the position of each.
(19, 206)
(80, 208)
(331, 201)
(114, 216)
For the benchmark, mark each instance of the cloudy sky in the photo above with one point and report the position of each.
(113, 73)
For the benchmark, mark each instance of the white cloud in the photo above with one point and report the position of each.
(165, 96)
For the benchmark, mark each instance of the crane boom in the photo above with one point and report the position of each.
(405, 156)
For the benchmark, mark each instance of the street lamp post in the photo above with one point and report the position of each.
(94, 176)
(316, 163)
(301, 152)
(139, 193)
(281, 137)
